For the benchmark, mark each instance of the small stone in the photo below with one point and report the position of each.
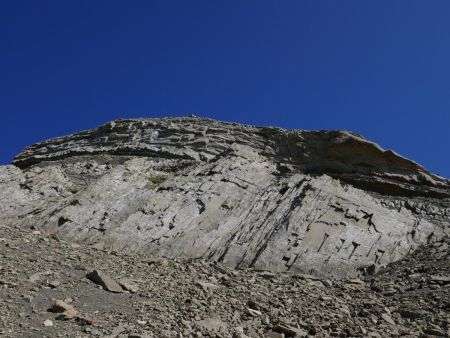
(28, 298)
(92, 331)
(272, 334)
(327, 283)
(372, 269)
(126, 285)
(254, 313)
(443, 247)
(355, 281)
(67, 311)
(207, 286)
(290, 331)
(54, 284)
(105, 281)
(36, 276)
(316, 283)
(267, 275)
(212, 325)
(387, 318)
(116, 332)
(441, 279)
(48, 323)
(90, 321)
(434, 332)
(405, 313)
(326, 298)
(239, 332)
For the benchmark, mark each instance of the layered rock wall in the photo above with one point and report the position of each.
(317, 202)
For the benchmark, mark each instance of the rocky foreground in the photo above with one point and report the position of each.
(51, 288)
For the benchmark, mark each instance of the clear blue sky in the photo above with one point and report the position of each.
(380, 68)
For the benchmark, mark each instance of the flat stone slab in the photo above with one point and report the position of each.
(105, 281)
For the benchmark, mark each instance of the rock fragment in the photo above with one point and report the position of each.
(253, 312)
(128, 286)
(206, 286)
(212, 325)
(104, 280)
(48, 323)
(440, 279)
(411, 314)
(387, 318)
(37, 276)
(290, 331)
(67, 311)
(54, 284)
(273, 334)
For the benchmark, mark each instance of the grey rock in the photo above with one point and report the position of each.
(387, 318)
(37, 276)
(291, 331)
(411, 313)
(92, 331)
(54, 284)
(103, 279)
(239, 333)
(48, 323)
(326, 203)
(253, 312)
(440, 279)
(272, 334)
(207, 286)
(67, 311)
(435, 332)
(212, 325)
(128, 286)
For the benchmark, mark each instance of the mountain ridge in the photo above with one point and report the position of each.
(32, 155)
(318, 202)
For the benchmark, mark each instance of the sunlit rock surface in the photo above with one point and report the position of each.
(317, 202)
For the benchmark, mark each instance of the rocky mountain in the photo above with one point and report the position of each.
(324, 203)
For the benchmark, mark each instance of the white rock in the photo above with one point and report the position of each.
(48, 323)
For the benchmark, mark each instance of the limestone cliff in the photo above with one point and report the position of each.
(318, 202)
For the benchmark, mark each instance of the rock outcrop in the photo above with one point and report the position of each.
(46, 290)
(317, 202)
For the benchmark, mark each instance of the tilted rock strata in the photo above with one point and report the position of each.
(344, 154)
(325, 202)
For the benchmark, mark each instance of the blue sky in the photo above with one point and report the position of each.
(380, 68)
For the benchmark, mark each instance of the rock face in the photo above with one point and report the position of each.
(316, 202)
(197, 299)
